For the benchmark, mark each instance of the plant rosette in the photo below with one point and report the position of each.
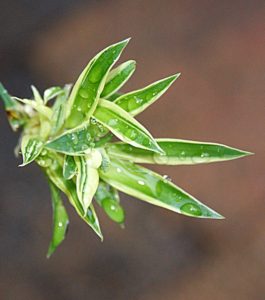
(88, 143)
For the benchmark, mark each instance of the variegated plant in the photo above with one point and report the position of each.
(70, 133)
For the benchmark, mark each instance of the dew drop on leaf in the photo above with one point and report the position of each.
(191, 209)
(160, 158)
(83, 93)
(141, 182)
(131, 133)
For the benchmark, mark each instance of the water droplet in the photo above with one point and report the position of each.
(132, 104)
(83, 93)
(113, 210)
(141, 182)
(131, 133)
(60, 224)
(118, 170)
(138, 100)
(79, 108)
(93, 121)
(84, 147)
(182, 155)
(74, 138)
(43, 152)
(191, 209)
(88, 136)
(112, 122)
(160, 158)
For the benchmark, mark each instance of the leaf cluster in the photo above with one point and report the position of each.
(88, 143)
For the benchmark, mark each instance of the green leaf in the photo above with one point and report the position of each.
(137, 101)
(176, 152)
(60, 219)
(36, 95)
(87, 177)
(69, 167)
(114, 96)
(86, 91)
(68, 187)
(39, 107)
(150, 187)
(59, 110)
(117, 78)
(124, 126)
(16, 114)
(52, 92)
(9, 102)
(30, 148)
(72, 142)
(108, 198)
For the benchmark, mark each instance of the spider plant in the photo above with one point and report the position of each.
(87, 141)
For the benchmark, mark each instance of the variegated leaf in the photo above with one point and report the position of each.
(87, 177)
(68, 187)
(117, 78)
(60, 219)
(137, 101)
(72, 142)
(84, 97)
(124, 126)
(59, 110)
(153, 188)
(69, 167)
(176, 152)
(30, 148)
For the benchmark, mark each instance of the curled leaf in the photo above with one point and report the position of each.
(87, 177)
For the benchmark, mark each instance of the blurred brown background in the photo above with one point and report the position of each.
(219, 47)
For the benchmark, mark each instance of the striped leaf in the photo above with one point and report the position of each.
(69, 167)
(86, 91)
(87, 178)
(60, 219)
(30, 149)
(137, 101)
(153, 188)
(108, 198)
(117, 78)
(68, 187)
(176, 152)
(124, 126)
